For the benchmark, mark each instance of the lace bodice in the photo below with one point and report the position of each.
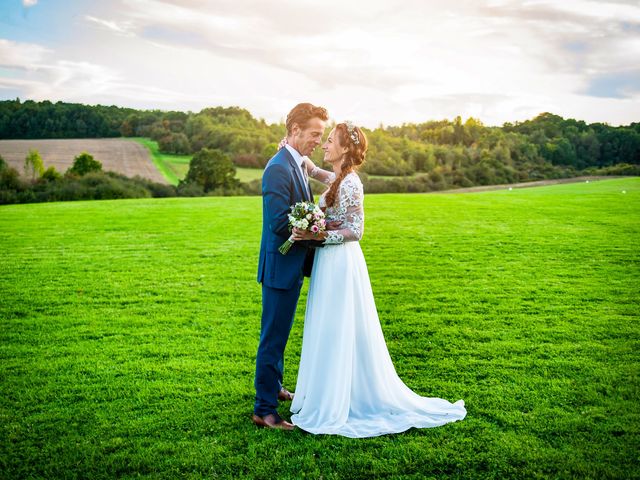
(348, 210)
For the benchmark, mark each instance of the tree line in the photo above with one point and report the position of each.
(419, 156)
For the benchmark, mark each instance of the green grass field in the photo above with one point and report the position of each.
(175, 167)
(129, 331)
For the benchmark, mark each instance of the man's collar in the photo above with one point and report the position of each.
(295, 154)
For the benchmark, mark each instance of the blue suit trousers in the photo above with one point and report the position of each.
(278, 311)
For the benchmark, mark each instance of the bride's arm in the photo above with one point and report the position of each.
(352, 228)
(319, 174)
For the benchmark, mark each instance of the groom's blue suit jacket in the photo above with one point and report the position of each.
(282, 187)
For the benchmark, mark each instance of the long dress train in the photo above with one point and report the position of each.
(347, 384)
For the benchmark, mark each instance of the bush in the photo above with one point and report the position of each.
(619, 169)
(8, 197)
(248, 161)
(159, 190)
(92, 186)
(254, 187)
(51, 174)
(10, 179)
(190, 190)
(83, 164)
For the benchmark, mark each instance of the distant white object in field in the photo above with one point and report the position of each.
(587, 181)
(624, 191)
(510, 188)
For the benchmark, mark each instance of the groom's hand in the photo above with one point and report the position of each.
(299, 234)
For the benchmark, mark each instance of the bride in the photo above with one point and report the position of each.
(347, 384)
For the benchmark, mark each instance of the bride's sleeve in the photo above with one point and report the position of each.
(321, 175)
(351, 202)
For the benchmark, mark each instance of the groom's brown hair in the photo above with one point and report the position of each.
(302, 113)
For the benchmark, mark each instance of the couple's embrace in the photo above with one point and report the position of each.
(347, 384)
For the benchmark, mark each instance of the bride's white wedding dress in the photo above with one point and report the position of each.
(347, 384)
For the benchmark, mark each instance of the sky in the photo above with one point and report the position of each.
(370, 61)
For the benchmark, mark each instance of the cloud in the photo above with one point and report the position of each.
(29, 3)
(60, 79)
(500, 60)
(426, 57)
(574, 34)
(297, 38)
(21, 55)
(124, 28)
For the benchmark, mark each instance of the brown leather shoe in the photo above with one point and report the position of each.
(285, 395)
(272, 420)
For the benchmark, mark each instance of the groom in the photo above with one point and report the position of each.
(284, 183)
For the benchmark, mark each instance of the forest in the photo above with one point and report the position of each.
(427, 156)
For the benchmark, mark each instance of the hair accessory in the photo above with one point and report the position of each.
(352, 132)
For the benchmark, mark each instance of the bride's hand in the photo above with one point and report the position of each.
(309, 165)
(299, 234)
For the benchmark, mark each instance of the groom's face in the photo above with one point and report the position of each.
(306, 140)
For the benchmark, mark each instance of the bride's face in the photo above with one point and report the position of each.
(333, 151)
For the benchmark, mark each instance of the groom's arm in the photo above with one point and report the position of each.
(275, 190)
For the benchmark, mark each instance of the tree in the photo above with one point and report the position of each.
(211, 169)
(83, 164)
(269, 150)
(560, 152)
(33, 166)
(473, 130)
(10, 183)
(51, 174)
(176, 143)
(129, 126)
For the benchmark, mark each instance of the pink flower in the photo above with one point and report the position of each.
(314, 229)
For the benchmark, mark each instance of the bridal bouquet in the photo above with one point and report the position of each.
(306, 216)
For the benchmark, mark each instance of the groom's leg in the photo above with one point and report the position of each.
(280, 371)
(278, 310)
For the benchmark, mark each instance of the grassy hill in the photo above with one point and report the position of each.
(129, 330)
(175, 167)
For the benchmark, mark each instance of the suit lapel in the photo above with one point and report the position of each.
(298, 176)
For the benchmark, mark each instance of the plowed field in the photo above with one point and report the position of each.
(115, 154)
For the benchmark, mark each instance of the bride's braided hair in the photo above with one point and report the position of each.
(356, 142)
